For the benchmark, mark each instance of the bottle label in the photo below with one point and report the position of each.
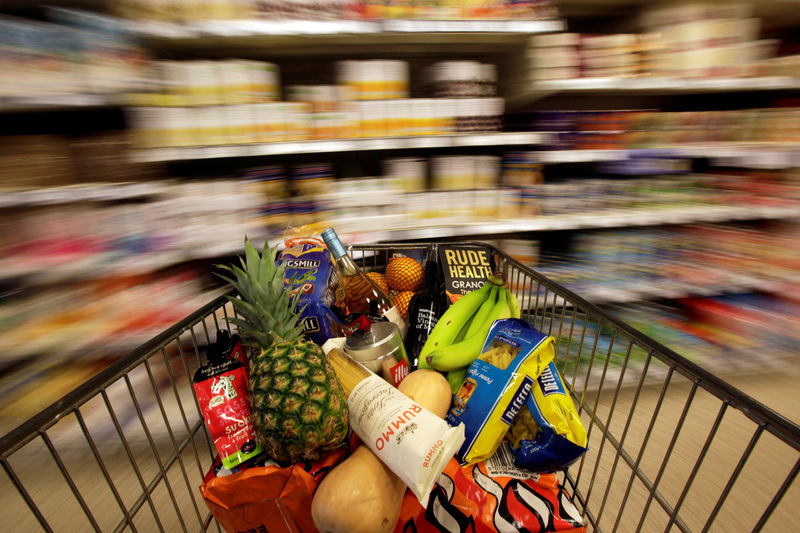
(413, 442)
(426, 319)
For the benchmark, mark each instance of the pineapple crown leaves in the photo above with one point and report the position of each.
(266, 311)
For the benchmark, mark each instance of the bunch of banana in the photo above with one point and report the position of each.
(458, 336)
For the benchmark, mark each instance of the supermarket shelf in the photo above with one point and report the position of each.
(599, 219)
(115, 263)
(57, 102)
(529, 91)
(191, 153)
(319, 28)
(661, 288)
(99, 192)
(668, 85)
(763, 155)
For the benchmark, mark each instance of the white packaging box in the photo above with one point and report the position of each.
(554, 39)
(552, 57)
(486, 171)
(486, 203)
(372, 118)
(563, 73)
(204, 82)
(407, 174)
(396, 77)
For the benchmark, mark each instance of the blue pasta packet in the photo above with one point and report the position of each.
(309, 268)
(547, 434)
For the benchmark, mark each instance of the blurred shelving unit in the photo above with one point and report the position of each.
(656, 85)
(423, 142)
(293, 41)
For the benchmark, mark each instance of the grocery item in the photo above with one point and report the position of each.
(428, 388)
(380, 281)
(221, 389)
(460, 354)
(492, 496)
(401, 301)
(310, 272)
(425, 308)
(404, 274)
(453, 321)
(547, 435)
(497, 385)
(379, 347)
(413, 442)
(465, 268)
(362, 295)
(360, 495)
(267, 495)
(298, 406)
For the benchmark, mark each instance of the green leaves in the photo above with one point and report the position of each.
(266, 310)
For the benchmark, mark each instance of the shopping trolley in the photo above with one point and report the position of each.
(671, 446)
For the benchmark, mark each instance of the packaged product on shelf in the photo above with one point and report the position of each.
(424, 113)
(497, 384)
(409, 174)
(524, 251)
(221, 389)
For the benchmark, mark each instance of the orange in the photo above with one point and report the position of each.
(401, 303)
(379, 280)
(404, 274)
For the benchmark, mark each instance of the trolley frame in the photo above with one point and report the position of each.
(170, 435)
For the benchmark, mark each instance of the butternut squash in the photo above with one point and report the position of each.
(360, 495)
(428, 388)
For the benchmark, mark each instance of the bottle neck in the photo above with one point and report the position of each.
(432, 270)
(336, 247)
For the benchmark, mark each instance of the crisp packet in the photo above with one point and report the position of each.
(492, 496)
(497, 384)
(548, 434)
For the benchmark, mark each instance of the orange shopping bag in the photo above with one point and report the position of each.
(267, 498)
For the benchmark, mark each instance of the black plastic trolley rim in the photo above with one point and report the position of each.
(764, 417)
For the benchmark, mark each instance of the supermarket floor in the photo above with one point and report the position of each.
(750, 495)
(609, 479)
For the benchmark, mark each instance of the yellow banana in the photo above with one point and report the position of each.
(461, 354)
(482, 313)
(453, 320)
(513, 304)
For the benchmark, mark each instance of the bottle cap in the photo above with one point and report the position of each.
(214, 354)
(334, 244)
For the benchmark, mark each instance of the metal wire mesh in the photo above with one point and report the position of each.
(671, 447)
(124, 452)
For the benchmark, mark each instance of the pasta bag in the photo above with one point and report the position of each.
(497, 384)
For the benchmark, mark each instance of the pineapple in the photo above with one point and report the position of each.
(299, 409)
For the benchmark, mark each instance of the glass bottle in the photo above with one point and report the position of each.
(425, 308)
(361, 294)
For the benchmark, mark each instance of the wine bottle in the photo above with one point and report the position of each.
(361, 294)
(425, 308)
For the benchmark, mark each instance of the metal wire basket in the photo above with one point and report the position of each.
(671, 446)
